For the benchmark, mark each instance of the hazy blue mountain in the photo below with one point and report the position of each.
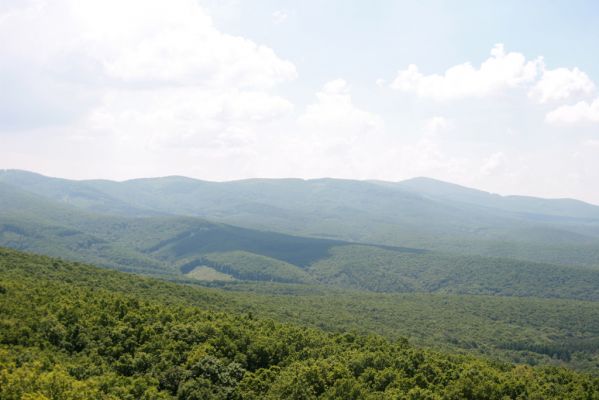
(76, 193)
(526, 206)
(155, 245)
(421, 213)
(191, 249)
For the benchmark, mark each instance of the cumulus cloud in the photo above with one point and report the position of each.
(335, 137)
(499, 72)
(494, 164)
(191, 51)
(185, 117)
(70, 52)
(428, 156)
(351, 142)
(561, 84)
(582, 111)
(335, 112)
(504, 71)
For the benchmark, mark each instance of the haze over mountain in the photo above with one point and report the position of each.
(414, 236)
(419, 213)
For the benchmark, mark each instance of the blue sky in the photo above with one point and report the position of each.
(366, 39)
(502, 96)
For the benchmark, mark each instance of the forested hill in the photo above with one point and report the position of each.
(70, 331)
(422, 213)
(191, 248)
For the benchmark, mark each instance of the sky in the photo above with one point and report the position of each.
(500, 96)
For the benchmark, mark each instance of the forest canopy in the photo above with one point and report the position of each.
(67, 333)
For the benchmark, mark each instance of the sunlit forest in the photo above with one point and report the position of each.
(71, 331)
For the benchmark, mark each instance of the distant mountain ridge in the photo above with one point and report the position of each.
(417, 213)
(184, 247)
(563, 207)
(112, 191)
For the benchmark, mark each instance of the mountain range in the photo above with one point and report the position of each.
(419, 235)
(508, 277)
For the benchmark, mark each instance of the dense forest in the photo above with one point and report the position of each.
(521, 330)
(173, 247)
(442, 294)
(421, 213)
(70, 331)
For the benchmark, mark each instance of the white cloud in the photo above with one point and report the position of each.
(174, 42)
(494, 164)
(278, 17)
(113, 91)
(428, 157)
(334, 137)
(70, 52)
(344, 140)
(580, 112)
(561, 84)
(499, 72)
(186, 117)
(335, 113)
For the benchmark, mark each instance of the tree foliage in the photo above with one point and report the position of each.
(69, 339)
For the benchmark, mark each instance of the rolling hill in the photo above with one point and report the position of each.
(419, 213)
(68, 326)
(194, 249)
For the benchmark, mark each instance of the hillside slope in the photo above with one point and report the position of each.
(191, 248)
(154, 245)
(64, 337)
(188, 248)
(421, 213)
